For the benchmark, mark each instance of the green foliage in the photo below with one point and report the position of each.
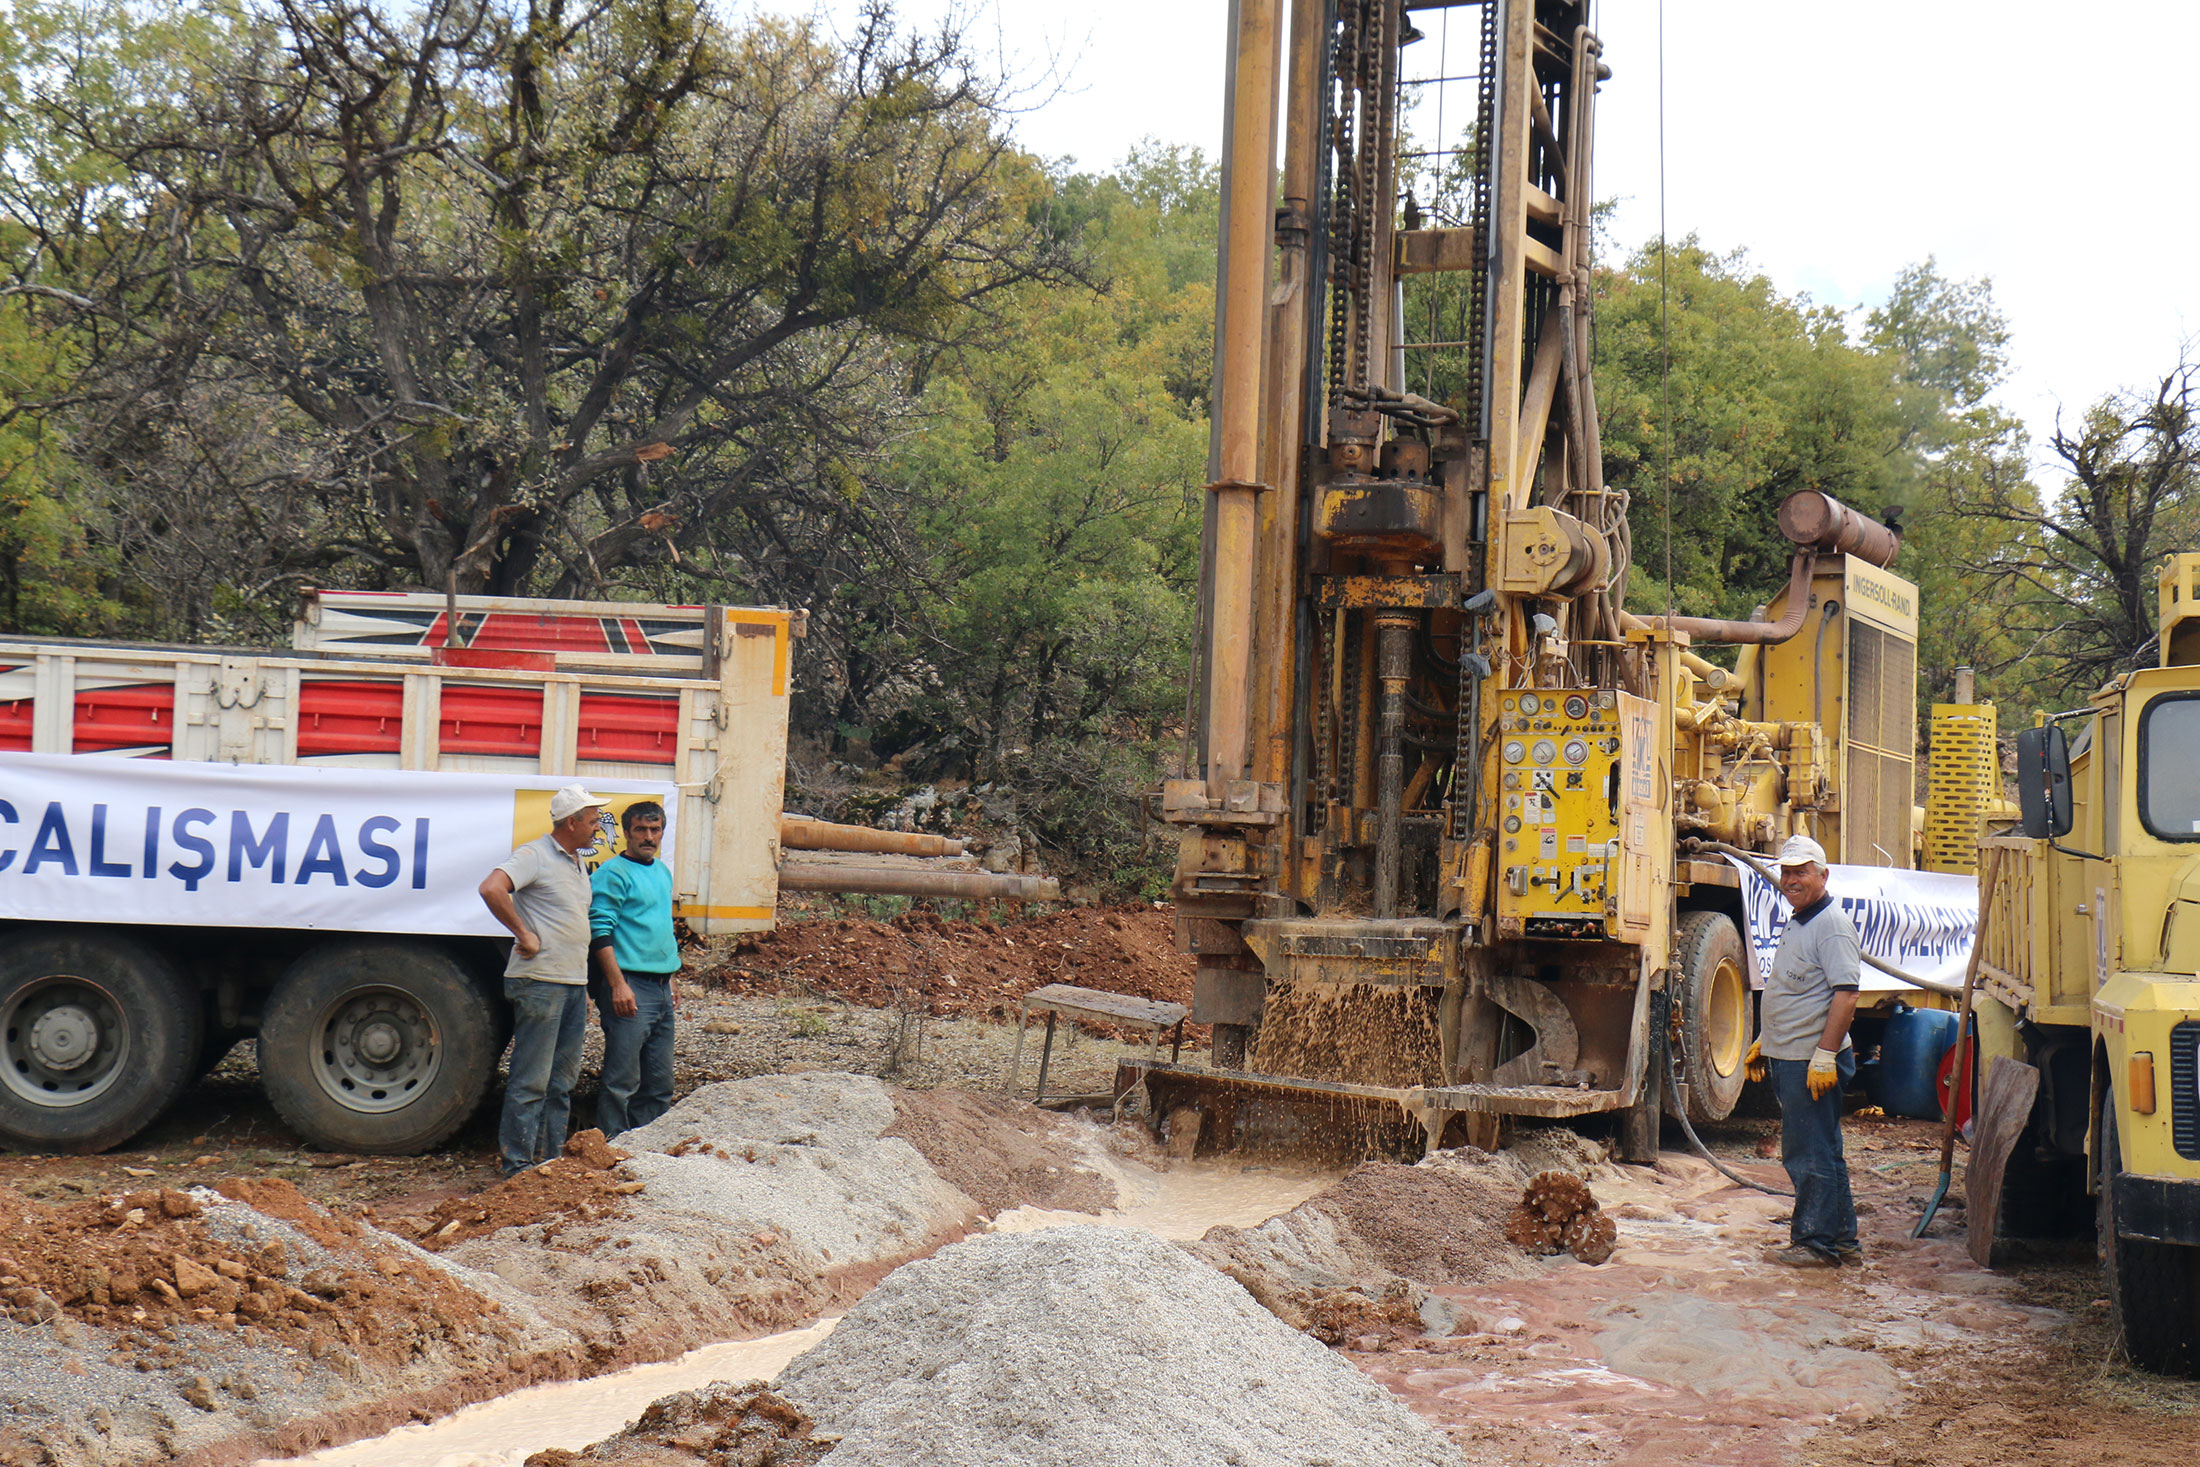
(1767, 395)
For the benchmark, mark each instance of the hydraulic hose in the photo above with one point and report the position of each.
(1695, 1142)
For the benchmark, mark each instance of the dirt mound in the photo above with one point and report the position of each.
(723, 1425)
(1440, 1223)
(1001, 1153)
(145, 1262)
(226, 1324)
(579, 1186)
(1347, 1262)
(1088, 1347)
(968, 968)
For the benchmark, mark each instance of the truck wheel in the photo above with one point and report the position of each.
(1712, 992)
(2153, 1288)
(97, 1036)
(377, 1047)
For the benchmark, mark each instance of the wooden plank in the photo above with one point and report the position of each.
(1091, 1003)
(2005, 1105)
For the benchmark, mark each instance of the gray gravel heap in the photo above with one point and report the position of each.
(1090, 1347)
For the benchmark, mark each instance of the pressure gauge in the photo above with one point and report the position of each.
(1512, 779)
(1515, 751)
(1577, 707)
(1577, 752)
(1530, 703)
(1545, 751)
(1512, 825)
(1511, 703)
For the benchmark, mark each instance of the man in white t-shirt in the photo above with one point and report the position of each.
(541, 893)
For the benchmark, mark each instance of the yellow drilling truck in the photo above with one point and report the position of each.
(2091, 965)
(1448, 851)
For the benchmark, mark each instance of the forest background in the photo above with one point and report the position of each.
(618, 299)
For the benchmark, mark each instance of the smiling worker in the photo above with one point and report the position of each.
(1809, 1002)
(636, 955)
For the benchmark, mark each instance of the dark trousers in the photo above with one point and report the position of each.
(549, 1021)
(637, 1054)
(1810, 1149)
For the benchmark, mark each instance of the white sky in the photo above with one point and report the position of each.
(2044, 147)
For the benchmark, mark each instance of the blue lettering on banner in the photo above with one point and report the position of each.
(181, 833)
(199, 846)
(323, 855)
(51, 844)
(369, 847)
(1895, 929)
(270, 848)
(100, 865)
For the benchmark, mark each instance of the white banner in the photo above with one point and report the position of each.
(1923, 922)
(90, 838)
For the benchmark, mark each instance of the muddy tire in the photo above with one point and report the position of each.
(1711, 994)
(98, 1035)
(383, 1048)
(1639, 1123)
(2153, 1288)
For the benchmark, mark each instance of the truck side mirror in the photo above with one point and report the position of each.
(2043, 782)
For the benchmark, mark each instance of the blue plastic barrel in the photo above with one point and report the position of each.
(1910, 1051)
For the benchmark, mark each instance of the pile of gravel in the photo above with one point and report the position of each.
(1089, 1347)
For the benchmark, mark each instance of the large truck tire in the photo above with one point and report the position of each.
(2153, 1288)
(378, 1047)
(1711, 991)
(98, 1035)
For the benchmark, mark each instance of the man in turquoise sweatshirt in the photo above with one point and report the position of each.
(636, 956)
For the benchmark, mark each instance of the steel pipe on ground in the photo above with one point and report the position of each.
(799, 833)
(969, 886)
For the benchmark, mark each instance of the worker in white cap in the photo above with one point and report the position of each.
(540, 893)
(1808, 1004)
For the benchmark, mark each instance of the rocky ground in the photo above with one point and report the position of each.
(219, 1292)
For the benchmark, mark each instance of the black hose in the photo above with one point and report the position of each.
(1680, 1113)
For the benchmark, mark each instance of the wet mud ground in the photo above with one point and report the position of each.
(1685, 1346)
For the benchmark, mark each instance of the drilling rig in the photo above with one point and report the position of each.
(1446, 853)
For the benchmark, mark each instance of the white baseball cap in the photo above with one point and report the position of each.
(1801, 850)
(572, 800)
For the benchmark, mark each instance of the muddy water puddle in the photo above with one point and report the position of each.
(1179, 1204)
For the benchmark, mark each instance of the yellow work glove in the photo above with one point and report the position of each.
(1823, 1075)
(1753, 1063)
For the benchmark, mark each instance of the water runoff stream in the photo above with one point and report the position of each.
(1181, 1204)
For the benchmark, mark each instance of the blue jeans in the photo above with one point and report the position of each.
(1810, 1149)
(637, 1054)
(549, 1020)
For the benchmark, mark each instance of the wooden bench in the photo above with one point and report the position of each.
(1057, 999)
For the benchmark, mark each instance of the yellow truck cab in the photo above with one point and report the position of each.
(2092, 957)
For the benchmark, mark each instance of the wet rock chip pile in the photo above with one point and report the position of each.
(723, 1425)
(1089, 1347)
(1558, 1214)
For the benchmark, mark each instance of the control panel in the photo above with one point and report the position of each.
(1563, 758)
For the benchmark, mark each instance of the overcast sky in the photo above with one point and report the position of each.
(2044, 147)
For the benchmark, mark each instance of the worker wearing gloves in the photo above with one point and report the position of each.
(1804, 1044)
(636, 955)
(540, 893)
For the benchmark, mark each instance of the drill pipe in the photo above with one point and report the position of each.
(800, 833)
(969, 886)
(1394, 653)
